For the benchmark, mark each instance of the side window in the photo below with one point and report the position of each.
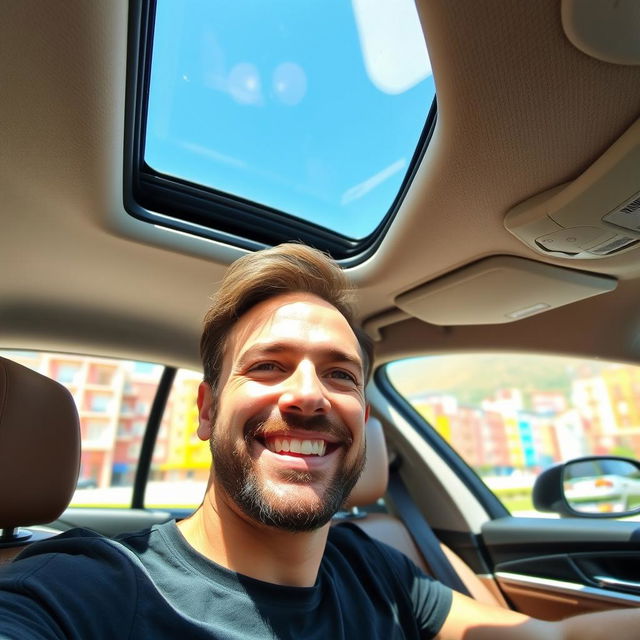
(511, 416)
(181, 461)
(114, 398)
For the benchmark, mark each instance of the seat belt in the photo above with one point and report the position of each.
(422, 534)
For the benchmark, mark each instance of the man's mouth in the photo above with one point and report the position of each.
(298, 446)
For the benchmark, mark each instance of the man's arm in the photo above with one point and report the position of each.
(471, 620)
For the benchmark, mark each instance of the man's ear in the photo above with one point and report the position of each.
(205, 410)
(367, 410)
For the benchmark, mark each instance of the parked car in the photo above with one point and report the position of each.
(493, 237)
(86, 483)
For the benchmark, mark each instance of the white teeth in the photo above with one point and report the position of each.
(295, 445)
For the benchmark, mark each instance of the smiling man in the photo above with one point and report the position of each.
(283, 407)
(288, 417)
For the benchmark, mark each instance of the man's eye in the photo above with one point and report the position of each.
(339, 374)
(264, 366)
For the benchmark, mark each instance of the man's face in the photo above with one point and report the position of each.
(287, 423)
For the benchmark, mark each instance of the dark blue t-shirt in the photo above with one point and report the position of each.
(153, 584)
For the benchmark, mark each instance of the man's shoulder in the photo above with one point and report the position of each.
(78, 577)
(84, 553)
(71, 542)
(354, 543)
(385, 571)
(349, 535)
(76, 553)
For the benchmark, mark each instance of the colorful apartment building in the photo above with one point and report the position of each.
(500, 435)
(508, 403)
(495, 442)
(137, 397)
(611, 403)
(467, 435)
(572, 431)
(437, 411)
(547, 403)
(590, 396)
(188, 457)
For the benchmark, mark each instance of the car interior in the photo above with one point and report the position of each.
(513, 228)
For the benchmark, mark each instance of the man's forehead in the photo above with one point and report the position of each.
(293, 316)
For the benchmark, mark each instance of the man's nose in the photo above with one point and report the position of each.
(304, 392)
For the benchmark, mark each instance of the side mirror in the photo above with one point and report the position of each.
(591, 487)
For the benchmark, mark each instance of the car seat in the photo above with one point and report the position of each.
(370, 488)
(39, 455)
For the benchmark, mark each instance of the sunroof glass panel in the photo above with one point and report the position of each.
(311, 108)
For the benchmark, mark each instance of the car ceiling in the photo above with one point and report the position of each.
(520, 110)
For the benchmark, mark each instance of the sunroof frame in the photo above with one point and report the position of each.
(197, 210)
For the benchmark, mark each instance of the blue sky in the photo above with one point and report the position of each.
(313, 108)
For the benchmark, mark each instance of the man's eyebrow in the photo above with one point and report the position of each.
(275, 348)
(338, 355)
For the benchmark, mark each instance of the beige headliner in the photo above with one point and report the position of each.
(520, 111)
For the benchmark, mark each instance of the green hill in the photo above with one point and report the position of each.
(474, 377)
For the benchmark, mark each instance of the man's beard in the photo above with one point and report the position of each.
(234, 469)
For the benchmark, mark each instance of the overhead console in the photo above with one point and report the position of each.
(595, 216)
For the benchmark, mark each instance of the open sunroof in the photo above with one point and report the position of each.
(256, 122)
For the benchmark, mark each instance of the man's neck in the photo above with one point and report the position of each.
(229, 538)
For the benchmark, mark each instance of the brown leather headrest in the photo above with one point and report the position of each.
(39, 447)
(372, 484)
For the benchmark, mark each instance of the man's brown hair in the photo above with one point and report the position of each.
(286, 268)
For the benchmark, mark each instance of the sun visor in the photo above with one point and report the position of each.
(500, 289)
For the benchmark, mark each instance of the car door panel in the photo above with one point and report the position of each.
(552, 568)
(554, 599)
